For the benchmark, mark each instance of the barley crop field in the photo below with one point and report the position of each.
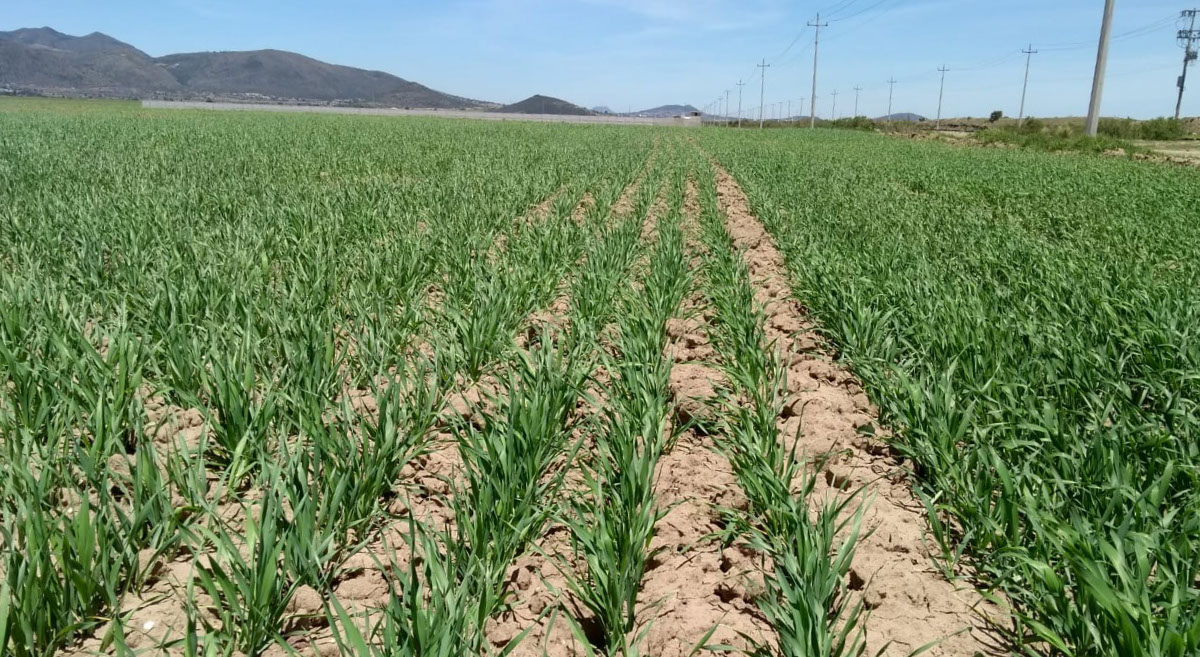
(338, 385)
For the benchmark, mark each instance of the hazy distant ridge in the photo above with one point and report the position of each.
(43, 60)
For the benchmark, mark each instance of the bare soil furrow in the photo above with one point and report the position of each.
(911, 602)
(695, 585)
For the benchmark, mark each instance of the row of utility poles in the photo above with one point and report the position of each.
(1187, 39)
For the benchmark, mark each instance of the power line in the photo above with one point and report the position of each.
(790, 45)
(1128, 34)
(861, 11)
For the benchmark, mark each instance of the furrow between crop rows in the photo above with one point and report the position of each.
(548, 609)
(862, 510)
(699, 589)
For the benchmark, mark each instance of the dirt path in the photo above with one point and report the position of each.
(911, 603)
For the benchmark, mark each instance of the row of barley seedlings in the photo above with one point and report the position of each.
(82, 427)
(487, 300)
(1044, 388)
(71, 528)
(604, 272)
(514, 460)
(512, 470)
(612, 521)
(592, 290)
(809, 543)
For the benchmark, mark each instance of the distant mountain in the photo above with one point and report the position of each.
(902, 116)
(283, 74)
(44, 61)
(96, 64)
(538, 104)
(668, 111)
(602, 109)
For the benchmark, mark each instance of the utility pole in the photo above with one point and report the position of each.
(762, 90)
(833, 113)
(1186, 39)
(1093, 118)
(726, 107)
(1029, 53)
(802, 99)
(740, 84)
(789, 114)
(891, 93)
(941, 92)
(812, 119)
(857, 91)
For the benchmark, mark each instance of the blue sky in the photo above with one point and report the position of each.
(641, 53)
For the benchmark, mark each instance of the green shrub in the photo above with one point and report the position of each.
(1162, 129)
(1031, 126)
(1063, 138)
(853, 123)
(1119, 128)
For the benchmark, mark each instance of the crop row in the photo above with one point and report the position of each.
(1028, 322)
(267, 283)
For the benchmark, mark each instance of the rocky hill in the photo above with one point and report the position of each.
(47, 62)
(539, 104)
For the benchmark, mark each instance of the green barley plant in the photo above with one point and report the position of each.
(428, 614)
(242, 412)
(513, 470)
(107, 387)
(806, 598)
(154, 520)
(182, 361)
(1027, 324)
(63, 569)
(612, 521)
(338, 480)
(249, 593)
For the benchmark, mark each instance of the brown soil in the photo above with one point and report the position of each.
(694, 585)
(544, 607)
(157, 614)
(911, 603)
